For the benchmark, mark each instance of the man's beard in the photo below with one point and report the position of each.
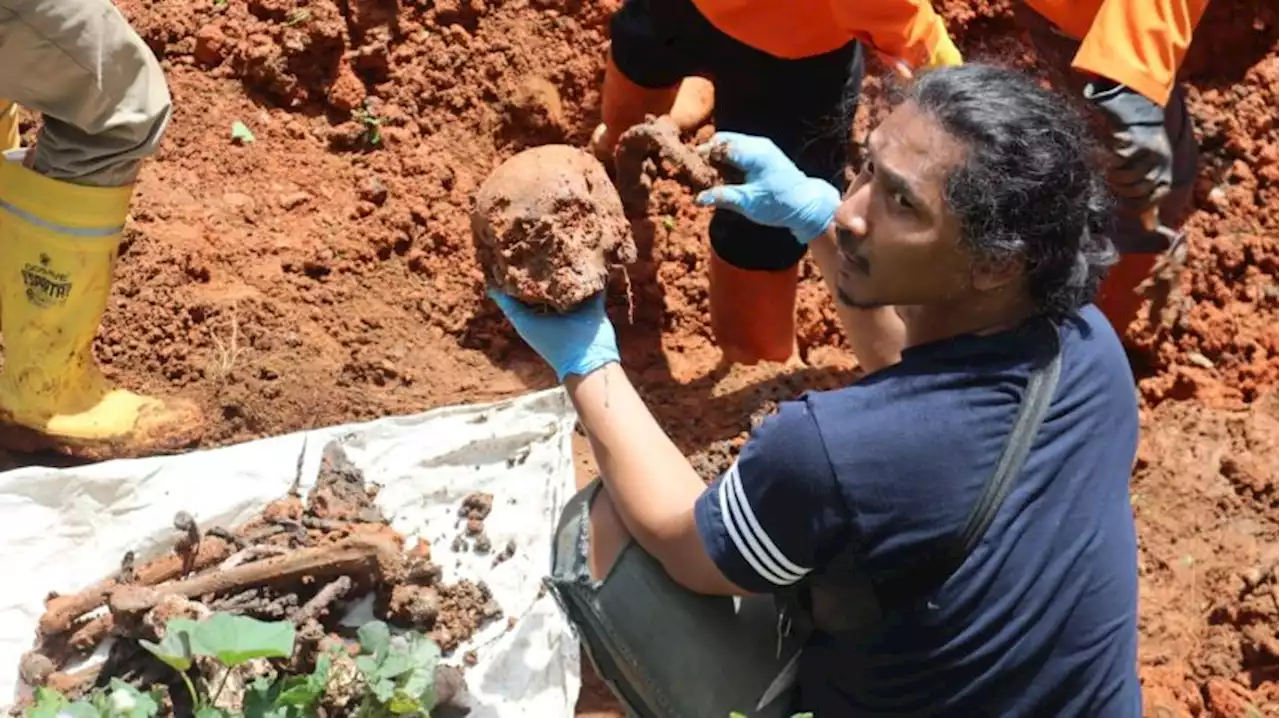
(843, 298)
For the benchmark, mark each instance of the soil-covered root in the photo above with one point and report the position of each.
(654, 148)
(548, 225)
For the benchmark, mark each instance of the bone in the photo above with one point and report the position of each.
(331, 593)
(62, 612)
(657, 140)
(87, 637)
(377, 558)
(251, 554)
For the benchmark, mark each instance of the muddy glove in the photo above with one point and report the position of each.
(575, 343)
(776, 193)
(1143, 169)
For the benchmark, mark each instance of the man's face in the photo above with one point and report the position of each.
(898, 243)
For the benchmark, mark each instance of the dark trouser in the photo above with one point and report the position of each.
(663, 650)
(805, 106)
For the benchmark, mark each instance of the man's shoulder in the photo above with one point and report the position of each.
(968, 390)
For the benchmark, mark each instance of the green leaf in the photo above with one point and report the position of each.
(303, 691)
(236, 639)
(324, 664)
(47, 703)
(241, 133)
(211, 712)
(175, 648)
(375, 638)
(403, 704)
(367, 667)
(294, 691)
(260, 699)
(125, 701)
(384, 690)
(79, 709)
(421, 682)
(395, 665)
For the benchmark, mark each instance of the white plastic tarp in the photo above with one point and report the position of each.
(63, 529)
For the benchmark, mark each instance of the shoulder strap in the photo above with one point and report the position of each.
(1031, 413)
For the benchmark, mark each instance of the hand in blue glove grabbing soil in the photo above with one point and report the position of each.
(578, 342)
(776, 193)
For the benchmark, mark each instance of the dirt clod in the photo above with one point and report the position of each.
(548, 225)
(476, 506)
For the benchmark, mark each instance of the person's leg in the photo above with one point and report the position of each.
(8, 125)
(105, 105)
(648, 59)
(663, 651)
(1139, 248)
(799, 105)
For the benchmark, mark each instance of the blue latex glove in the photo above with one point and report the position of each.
(575, 343)
(776, 193)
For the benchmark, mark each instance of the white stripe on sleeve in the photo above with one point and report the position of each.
(749, 537)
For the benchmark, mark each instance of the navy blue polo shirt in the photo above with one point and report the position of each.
(1041, 620)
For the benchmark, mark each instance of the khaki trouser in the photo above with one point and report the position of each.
(98, 86)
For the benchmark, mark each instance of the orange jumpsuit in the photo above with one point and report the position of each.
(906, 30)
(1138, 43)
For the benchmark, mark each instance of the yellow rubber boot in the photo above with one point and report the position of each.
(8, 125)
(58, 244)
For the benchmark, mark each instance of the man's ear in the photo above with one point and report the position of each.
(989, 276)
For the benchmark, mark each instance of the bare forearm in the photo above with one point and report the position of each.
(651, 483)
(876, 336)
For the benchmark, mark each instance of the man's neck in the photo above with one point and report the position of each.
(982, 315)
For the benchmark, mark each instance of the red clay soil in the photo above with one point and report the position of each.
(325, 272)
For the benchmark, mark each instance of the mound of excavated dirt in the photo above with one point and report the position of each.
(548, 225)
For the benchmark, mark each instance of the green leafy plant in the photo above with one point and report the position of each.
(290, 697)
(396, 674)
(400, 673)
(118, 700)
(372, 124)
(231, 640)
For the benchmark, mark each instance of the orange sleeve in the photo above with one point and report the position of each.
(907, 30)
(1140, 43)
